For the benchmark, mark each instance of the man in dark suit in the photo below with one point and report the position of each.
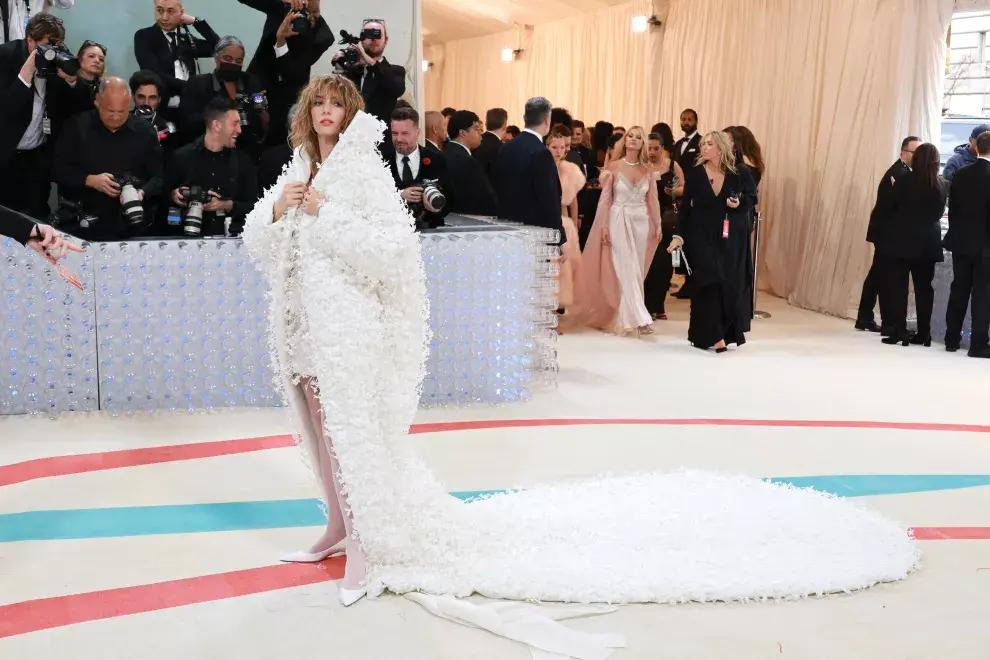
(435, 126)
(473, 192)
(525, 174)
(686, 151)
(968, 240)
(496, 120)
(873, 285)
(380, 83)
(284, 58)
(412, 164)
(32, 110)
(168, 49)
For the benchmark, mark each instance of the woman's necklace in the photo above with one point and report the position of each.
(628, 163)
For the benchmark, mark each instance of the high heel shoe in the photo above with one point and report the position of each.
(350, 596)
(722, 350)
(303, 557)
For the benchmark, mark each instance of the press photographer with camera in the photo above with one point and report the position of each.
(108, 165)
(420, 174)
(294, 38)
(37, 88)
(171, 51)
(16, 14)
(363, 61)
(229, 81)
(212, 185)
(147, 91)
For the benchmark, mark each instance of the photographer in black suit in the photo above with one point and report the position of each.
(525, 174)
(228, 81)
(968, 240)
(33, 107)
(168, 49)
(380, 83)
(473, 192)
(412, 164)
(294, 38)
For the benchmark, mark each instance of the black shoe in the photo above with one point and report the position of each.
(951, 348)
(980, 353)
(893, 340)
(919, 340)
(871, 326)
(722, 350)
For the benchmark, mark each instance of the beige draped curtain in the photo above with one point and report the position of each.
(829, 87)
(593, 64)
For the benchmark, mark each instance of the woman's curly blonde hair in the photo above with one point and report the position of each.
(331, 88)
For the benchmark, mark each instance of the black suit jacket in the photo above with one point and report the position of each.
(688, 159)
(527, 184)
(969, 211)
(487, 150)
(151, 48)
(473, 192)
(912, 225)
(16, 225)
(432, 165)
(883, 203)
(17, 100)
(283, 77)
(381, 88)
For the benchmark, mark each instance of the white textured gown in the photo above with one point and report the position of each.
(664, 538)
(629, 228)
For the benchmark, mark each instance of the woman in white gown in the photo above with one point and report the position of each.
(348, 324)
(623, 240)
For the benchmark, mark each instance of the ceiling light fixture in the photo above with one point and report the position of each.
(426, 66)
(640, 23)
(508, 54)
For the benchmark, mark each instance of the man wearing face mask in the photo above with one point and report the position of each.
(381, 84)
(231, 82)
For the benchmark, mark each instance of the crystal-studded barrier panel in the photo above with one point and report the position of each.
(180, 325)
(943, 281)
(49, 339)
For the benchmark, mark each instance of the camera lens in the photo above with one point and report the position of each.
(130, 200)
(193, 225)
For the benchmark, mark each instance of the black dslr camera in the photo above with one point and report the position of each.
(248, 102)
(300, 24)
(352, 57)
(196, 198)
(49, 59)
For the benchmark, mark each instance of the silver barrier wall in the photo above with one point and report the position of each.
(180, 325)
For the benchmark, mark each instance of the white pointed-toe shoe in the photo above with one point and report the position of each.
(302, 557)
(350, 596)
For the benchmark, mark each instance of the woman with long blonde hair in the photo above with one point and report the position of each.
(715, 194)
(623, 240)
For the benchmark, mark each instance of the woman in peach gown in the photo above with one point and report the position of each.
(623, 240)
(572, 293)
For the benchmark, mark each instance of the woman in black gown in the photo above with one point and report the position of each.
(666, 174)
(713, 224)
(743, 143)
(912, 244)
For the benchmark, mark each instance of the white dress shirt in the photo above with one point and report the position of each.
(530, 130)
(463, 147)
(34, 136)
(20, 12)
(687, 139)
(181, 72)
(413, 163)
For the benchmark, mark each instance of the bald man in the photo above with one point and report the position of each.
(434, 130)
(102, 154)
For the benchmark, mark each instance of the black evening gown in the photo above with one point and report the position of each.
(661, 271)
(716, 238)
(747, 221)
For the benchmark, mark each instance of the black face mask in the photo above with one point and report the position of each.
(228, 71)
(687, 128)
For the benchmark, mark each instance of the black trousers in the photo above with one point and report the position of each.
(27, 182)
(658, 278)
(970, 277)
(923, 274)
(873, 290)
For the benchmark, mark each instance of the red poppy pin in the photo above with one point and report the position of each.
(426, 161)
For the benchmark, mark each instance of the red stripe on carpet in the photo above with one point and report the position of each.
(64, 465)
(951, 533)
(46, 613)
(43, 614)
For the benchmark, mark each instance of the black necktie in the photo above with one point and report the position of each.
(173, 45)
(407, 176)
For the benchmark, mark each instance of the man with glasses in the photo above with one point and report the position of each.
(472, 192)
(873, 284)
(17, 13)
(33, 108)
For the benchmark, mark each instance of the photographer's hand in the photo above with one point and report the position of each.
(67, 78)
(285, 29)
(177, 197)
(365, 59)
(413, 194)
(104, 183)
(187, 19)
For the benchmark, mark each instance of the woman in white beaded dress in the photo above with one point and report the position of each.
(623, 240)
(348, 325)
